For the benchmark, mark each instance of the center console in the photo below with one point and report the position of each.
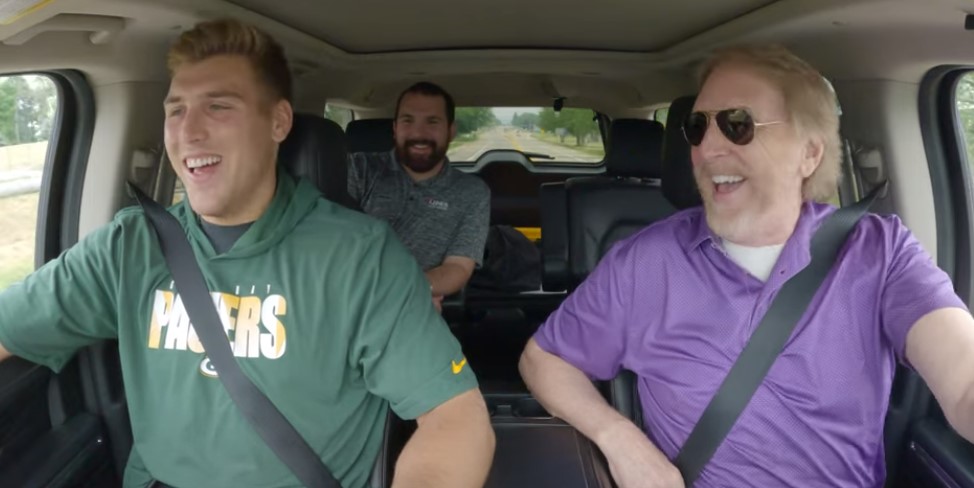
(537, 450)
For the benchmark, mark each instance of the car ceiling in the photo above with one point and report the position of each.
(617, 56)
(422, 25)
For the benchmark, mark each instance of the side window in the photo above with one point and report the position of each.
(660, 114)
(28, 106)
(340, 115)
(965, 112)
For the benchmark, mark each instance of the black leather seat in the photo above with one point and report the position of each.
(315, 149)
(370, 135)
(679, 186)
(601, 210)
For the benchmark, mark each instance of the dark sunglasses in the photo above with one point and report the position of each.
(736, 124)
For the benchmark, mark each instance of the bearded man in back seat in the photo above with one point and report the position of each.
(440, 213)
(677, 302)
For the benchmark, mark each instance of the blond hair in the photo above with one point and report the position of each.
(232, 37)
(809, 100)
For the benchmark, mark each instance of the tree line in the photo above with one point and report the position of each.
(28, 106)
(577, 122)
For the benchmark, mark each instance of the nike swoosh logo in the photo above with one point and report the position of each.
(458, 367)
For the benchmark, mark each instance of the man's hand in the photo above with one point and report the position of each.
(566, 392)
(633, 461)
(438, 303)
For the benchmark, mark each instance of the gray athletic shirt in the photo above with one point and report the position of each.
(446, 215)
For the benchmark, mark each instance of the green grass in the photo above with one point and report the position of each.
(463, 139)
(594, 148)
(14, 272)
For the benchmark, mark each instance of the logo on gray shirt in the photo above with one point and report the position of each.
(437, 204)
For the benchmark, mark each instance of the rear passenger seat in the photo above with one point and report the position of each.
(370, 135)
(582, 218)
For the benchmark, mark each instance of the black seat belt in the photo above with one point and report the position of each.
(768, 340)
(262, 415)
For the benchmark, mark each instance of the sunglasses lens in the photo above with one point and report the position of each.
(694, 127)
(737, 125)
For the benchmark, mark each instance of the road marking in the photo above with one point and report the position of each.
(517, 145)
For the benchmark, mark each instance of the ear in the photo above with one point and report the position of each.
(453, 132)
(812, 157)
(282, 119)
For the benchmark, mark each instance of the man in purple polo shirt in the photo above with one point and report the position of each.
(677, 302)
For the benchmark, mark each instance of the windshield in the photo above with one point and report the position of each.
(571, 135)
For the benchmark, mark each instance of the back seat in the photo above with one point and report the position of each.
(514, 192)
(370, 135)
(585, 216)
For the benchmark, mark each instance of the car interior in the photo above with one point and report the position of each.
(88, 118)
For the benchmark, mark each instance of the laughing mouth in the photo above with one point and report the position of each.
(725, 179)
(195, 163)
(421, 145)
(726, 183)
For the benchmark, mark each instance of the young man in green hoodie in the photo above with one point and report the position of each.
(325, 311)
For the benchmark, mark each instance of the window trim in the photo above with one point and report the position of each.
(65, 160)
(950, 174)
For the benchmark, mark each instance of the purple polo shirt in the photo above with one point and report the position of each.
(671, 306)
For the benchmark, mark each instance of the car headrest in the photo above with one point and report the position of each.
(634, 148)
(679, 187)
(370, 135)
(315, 149)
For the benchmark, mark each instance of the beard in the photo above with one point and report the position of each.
(733, 224)
(420, 164)
(762, 220)
(736, 227)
